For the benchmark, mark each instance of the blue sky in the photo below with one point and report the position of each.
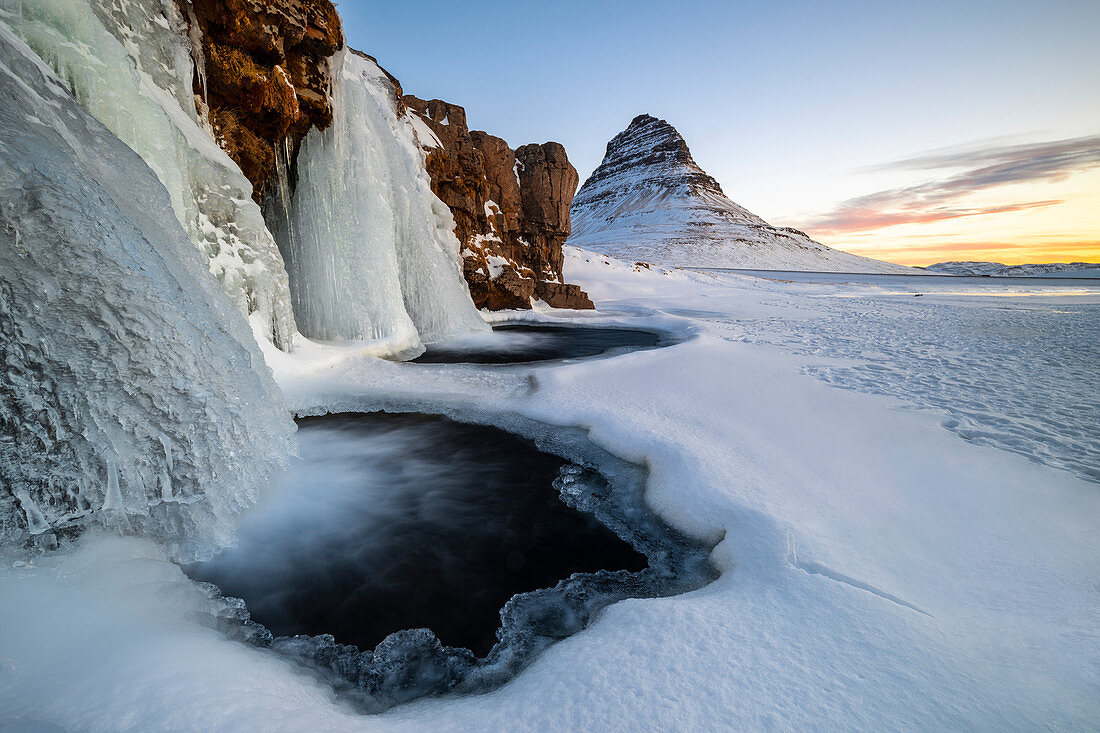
(795, 107)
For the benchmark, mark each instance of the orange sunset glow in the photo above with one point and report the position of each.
(1019, 204)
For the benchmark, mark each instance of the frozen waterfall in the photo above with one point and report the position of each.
(128, 64)
(132, 394)
(370, 249)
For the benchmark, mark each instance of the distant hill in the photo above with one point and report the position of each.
(996, 269)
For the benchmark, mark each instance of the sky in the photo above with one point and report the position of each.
(910, 132)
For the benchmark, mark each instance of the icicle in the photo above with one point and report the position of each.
(36, 520)
(166, 469)
(282, 177)
(112, 493)
(198, 56)
(370, 249)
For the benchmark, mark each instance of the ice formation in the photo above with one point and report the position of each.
(128, 64)
(132, 393)
(370, 249)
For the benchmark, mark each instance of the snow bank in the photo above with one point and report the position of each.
(878, 572)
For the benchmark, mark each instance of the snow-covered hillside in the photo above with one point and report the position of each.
(996, 269)
(649, 201)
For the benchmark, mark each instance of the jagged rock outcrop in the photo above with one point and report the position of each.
(650, 201)
(511, 208)
(263, 75)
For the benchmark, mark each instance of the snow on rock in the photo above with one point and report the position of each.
(996, 269)
(512, 205)
(370, 249)
(128, 65)
(132, 394)
(649, 201)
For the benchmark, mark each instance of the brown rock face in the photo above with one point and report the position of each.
(547, 184)
(263, 74)
(264, 77)
(511, 209)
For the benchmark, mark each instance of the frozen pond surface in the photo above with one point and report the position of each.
(409, 555)
(518, 343)
(1012, 361)
(394, 522)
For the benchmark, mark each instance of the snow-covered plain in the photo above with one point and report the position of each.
(878, 571)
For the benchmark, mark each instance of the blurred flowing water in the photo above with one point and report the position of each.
(517, 343)
(394, 522)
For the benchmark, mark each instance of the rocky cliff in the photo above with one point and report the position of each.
(263, 75)
(650, 201)
(511, 208)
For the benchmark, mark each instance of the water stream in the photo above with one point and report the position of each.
(409, 555)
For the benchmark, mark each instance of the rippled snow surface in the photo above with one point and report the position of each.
(1018, 369)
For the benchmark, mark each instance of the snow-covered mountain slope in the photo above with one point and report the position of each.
(996, 269)
(649, 201)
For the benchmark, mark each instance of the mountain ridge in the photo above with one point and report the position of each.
(998, 269)
(649, 200)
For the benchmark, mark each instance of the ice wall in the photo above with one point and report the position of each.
(127, 62)
(131, 395)
(370, 250)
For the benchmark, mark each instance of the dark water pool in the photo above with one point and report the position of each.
(518, 343)
(394, 522)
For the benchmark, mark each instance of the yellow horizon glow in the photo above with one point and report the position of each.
(1065, 232)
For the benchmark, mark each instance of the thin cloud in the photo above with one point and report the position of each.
(976, 170)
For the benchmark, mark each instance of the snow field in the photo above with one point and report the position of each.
(877, 571)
